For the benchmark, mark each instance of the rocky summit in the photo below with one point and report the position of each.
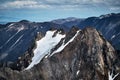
(74, 55)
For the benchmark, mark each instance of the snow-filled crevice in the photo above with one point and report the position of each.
(111, 77)
(9, 39)
(44, 47)
(64, 45)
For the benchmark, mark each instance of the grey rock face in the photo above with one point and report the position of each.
(108, 25)
(88, 57)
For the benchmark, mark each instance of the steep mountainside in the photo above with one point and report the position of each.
(76, 55)
(16, 37)
(108, 25)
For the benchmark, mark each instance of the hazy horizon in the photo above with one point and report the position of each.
(47, 10)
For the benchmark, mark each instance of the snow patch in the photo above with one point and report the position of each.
(112, 37)
(78, 72)
(20, 28)
(16, 41)
(44, 47)
(64, 45)
(105, 16)
(111, 77)
(11, 25)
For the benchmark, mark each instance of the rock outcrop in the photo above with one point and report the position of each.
(80, 55)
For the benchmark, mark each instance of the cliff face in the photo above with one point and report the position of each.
(78, 55)
(108, 25)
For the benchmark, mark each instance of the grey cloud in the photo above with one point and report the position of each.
(58, 3)
(23, 4)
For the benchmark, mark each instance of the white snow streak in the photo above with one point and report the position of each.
(78, 72)
(111, 77)
(11, 25)
(44, 47)
(10, 38)
(16, 42)
(19, 29)
(64, 45)
(112, 37)
(104, 16)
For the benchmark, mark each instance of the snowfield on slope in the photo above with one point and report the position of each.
(64, 45)
(111, 77)
(44, 47)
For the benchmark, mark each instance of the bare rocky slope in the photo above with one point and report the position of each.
(108, 25)
(79, 55)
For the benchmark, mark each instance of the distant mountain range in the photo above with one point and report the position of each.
(69, 22)
(63, 49)
(108, 25)
(17, 37)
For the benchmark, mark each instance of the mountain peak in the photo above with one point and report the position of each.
(51, 51)
(24, 21)
(108, 15)
(74, 28)
(78, 54)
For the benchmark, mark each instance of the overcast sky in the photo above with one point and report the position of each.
(45, 10)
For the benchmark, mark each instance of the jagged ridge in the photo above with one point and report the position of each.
(86, 55)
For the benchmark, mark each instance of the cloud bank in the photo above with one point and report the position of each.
(62, 4)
